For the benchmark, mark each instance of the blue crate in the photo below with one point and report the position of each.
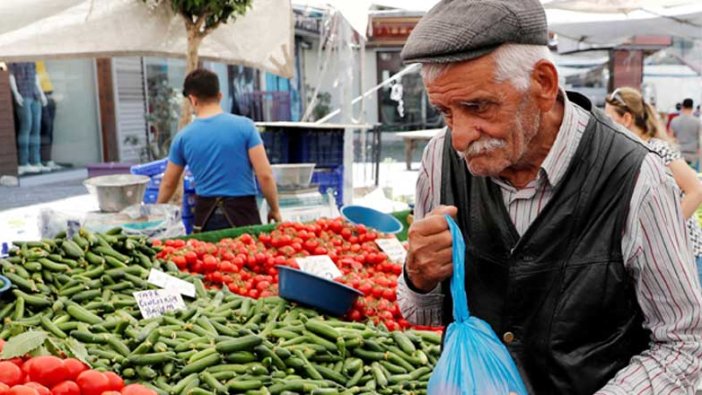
(151, 196)
(189, 182)
(330, 178)
(189, 200)
(188, 224)
(151, 168)
(155, 182)
(276, 144)
(323, 147)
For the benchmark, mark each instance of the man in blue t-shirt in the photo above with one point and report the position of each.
(223, 151)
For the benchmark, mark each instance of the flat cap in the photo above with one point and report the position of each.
(458, 30)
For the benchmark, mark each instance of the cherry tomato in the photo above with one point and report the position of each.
(22, 390)
(137, 389)
(92, 382)
(4, 388)
(73, 367)
(66, 388)
(115, 382)
(10, 374)
(48, 370)
(40, 388)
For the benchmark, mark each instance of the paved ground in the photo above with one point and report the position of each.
(15, 197)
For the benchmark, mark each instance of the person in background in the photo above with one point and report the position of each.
(576, 250)
(223, 151)
(686, 129)
(672, 116)
(628, 108)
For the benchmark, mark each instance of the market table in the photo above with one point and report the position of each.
(411, 139)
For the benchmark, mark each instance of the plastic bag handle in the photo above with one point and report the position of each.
(458, 279)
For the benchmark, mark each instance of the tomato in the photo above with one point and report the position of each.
(190, 257)
(253, 293)
(209, 263)
(263, 285)
(115, 382)
(10, 373)
(66, 388)
(92, 382)
(111, 393)
(389, 294)
(137, 389)
(40, 388)
(47, 370)
(73, 367)
(355, 315)
(22, 390)
(179, 261)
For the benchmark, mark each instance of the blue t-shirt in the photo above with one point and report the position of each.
(217, 151)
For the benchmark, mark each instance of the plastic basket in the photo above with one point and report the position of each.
(150, 169)
(331, 178)
(189, 200)
(188, 224)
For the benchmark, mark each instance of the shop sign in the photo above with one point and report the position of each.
(320, 266)
(393, 249)
(156, 302)
(166, 281)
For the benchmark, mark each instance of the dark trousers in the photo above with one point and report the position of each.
(214, 213)
(47, 128)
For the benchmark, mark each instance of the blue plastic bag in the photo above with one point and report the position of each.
(474, 361)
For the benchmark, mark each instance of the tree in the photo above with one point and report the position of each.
(201, 17)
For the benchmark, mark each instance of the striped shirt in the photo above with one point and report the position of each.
(654, 244)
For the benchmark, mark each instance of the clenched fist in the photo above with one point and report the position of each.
(430, 245)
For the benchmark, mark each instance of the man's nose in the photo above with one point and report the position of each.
(463, 133)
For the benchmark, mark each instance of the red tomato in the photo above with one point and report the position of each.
(66, 388)
(22, 390)
(179, 261)
(40, 388)
(355, 315)
(263, 285)
(92, 382)
(10, 373)
(73, 367)
(190, 257)
(253, 293)
(48, 370)
(111, 393)
(209, 263)
(137, 389)
(389, 294)
(115, 382)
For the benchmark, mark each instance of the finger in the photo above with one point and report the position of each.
(444, 210)
(429, 226)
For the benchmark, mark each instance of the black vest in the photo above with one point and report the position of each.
(561, 289)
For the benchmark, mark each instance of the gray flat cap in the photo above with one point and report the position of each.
(458, 30)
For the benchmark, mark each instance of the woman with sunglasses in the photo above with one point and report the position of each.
(628, 108)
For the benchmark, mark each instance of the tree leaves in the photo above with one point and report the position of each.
(23, 344)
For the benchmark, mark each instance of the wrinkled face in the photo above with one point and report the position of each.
(491, 123)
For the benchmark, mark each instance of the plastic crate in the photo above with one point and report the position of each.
(151, 168)
(188, 224)
(189, 200)
(155, 182)
(188, 182)
(276, 144)
(150, 196)
(332, 178)
(325, 148)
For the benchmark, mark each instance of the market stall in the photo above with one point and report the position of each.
(202, 312)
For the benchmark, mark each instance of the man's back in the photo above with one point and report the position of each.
(216, 150)
(687, 130)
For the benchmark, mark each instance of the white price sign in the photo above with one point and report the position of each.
(320, 266)
(393, 249)
(154, 303)
(166, 281)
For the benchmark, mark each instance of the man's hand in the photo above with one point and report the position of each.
(19, 100)
(274, 216)
(430, 247)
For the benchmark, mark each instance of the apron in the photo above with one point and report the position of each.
(214, 213)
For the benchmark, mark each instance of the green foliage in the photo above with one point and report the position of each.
(211, 12)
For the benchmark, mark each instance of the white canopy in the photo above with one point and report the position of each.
(34, 29)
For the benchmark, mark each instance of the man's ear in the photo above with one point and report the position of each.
(544, 84)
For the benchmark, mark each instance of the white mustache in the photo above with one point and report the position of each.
(483, 146)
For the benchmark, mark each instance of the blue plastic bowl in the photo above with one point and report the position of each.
(371, 218)
(5, 285)
(328, 296)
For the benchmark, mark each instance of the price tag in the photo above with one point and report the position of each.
(320, 266)
(393, 249)
(154, 303)
(166, 281)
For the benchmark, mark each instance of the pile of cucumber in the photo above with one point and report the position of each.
(79, 291)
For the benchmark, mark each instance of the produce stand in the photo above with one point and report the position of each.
(80, 298)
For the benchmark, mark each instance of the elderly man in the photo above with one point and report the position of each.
(576, 249)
